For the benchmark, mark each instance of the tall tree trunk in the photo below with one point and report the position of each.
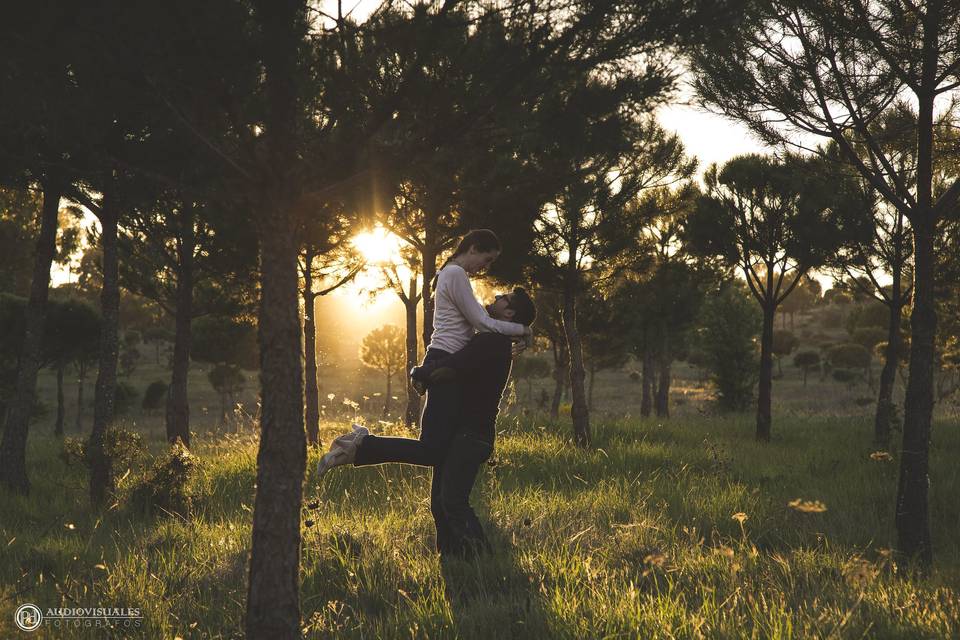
(311, 388)
(429, 258)
(662, 403)
(578, 409)
(647, 381)
(58, 427)
(386, 399)
(13, 448)
(912, 519)
(412, 414)
(663, 389)
(178, 405)
(106, 386)
(593, 377)
(912, 516)
(561, 372)
(886, 407)
(273, 593)
(765, 386)
(81, 378)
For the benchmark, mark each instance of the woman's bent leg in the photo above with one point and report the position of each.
(379, 450)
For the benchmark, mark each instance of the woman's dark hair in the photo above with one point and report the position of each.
(483, 240)
(524, 310)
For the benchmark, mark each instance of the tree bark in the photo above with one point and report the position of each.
(386, 399)
(106, 386)
(13, 448)
(647, 383)
(765, 386)
(885, 405)
(81, 378)
(429, 258)
(578, 409)
(663, 389)
(178, 405)
(58, 427)
(561, 372)
(913, 519)
(662, 401)
(273, 594)
(593, 377)
(311, 390)
(912, 516)
(412, 414)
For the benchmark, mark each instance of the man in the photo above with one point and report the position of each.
(482, 369)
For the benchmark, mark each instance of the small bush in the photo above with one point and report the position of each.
(165, 486)
(634, 376)
(126, 396)
(845, 375)
(123, 447)
(154, 396)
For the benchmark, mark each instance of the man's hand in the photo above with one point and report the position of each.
(416, 382)
(519, 346)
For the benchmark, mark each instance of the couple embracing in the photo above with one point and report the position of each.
(464, 373)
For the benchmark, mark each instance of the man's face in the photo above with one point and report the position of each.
(500, 307)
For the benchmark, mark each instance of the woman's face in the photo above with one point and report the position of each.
(478, 261)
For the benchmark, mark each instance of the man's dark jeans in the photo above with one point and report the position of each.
(458, 529)
(455, 457)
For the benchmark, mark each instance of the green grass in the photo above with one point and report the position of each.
(632, 540)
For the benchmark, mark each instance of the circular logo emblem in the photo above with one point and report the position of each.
(28, 617)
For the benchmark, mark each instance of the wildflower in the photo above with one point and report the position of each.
(859, 572)
(881, 456)
(331, 396)
(807, 506)
(740, 517)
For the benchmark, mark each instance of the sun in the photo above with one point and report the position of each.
(378, 246)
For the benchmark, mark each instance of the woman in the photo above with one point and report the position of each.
(457, 316)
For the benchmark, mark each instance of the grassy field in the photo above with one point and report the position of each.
(638, 538)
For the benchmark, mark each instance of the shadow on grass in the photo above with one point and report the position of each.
(492, 593)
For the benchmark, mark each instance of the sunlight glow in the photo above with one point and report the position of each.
(378, 246)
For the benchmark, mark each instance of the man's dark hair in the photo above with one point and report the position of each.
(524, 311)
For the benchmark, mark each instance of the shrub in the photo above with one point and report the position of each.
(848, 356)
(806, 361)
(831, 318)
(154, 396)
(123, 447)
(132, 338)
(635, 376)
(731, 323)
(845, 375)
(165, 486)
(126, 396)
